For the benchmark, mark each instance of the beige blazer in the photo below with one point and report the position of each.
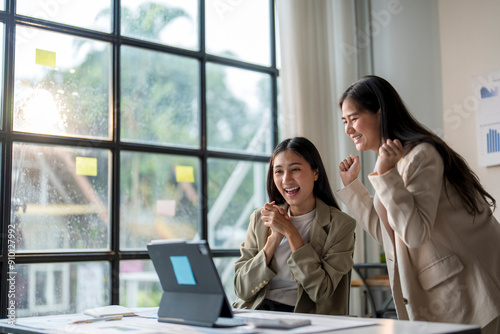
(444, 264)
(320, 267)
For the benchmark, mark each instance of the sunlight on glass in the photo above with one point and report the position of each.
(238, 110)
(60, 198)
(49, 121)
(89, 14)
(235, 190)
(62, 85)
(61, 288)
(239, 30)
(159, 198)
(172, 22)
(139, 284)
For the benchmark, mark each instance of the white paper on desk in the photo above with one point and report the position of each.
(105, 311)
(318, 324)
(151, 312)
(154, 327)
(49, 323)
(137, 325)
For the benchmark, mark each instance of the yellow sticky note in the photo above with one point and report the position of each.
(184, 173)
(46, 58)
(86, 166)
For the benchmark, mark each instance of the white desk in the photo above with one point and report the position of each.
(136, 325)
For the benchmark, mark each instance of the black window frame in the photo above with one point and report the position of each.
(7, 136)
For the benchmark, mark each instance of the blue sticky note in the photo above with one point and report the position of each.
(182, 270)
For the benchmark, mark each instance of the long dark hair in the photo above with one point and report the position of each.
(308, 151)
(373, 93)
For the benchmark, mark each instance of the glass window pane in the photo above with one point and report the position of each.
(62, 85)
(281, 112)
(239, 30)
(159, 198)
(238, 110)
(89, 14)
(160, 103)
(235, 189)
(225, 267)
(60, 288)
(60, 198)
(10, 229)
(139, 284)
(173, 22)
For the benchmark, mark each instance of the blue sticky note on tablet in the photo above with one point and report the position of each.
(182, 270)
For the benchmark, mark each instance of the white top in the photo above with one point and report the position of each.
(282, 288)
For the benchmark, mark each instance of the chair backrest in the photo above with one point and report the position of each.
(376, 282)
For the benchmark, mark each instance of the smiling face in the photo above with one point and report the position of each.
(362, 126)
(294, 178)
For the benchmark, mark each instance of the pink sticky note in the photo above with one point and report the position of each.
(165, 207)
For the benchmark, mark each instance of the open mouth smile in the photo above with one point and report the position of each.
(356, 138)
(292, 191)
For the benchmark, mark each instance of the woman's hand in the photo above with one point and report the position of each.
(274, 238)
(278, 221)
(349, 169)
(388, 156)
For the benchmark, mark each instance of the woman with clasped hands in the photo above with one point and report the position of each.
(297, 254)
(429, 211)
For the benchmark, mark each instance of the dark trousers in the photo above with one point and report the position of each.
(270, 305)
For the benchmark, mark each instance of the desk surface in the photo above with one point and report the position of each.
(142, 325)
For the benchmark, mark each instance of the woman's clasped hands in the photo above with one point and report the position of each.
(280, 225)
(276, 219)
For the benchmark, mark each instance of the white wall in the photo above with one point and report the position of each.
(470, 45)
(406, 52)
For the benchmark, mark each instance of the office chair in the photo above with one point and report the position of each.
(387, 309)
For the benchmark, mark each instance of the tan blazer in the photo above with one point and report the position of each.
(444, 264)
(320, 267)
